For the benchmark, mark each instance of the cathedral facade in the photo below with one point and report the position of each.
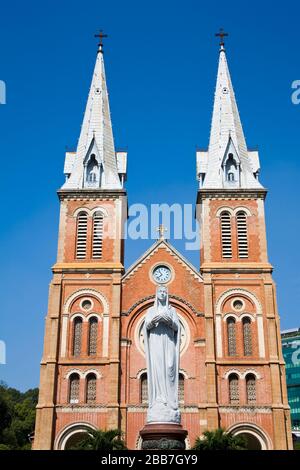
(93, 369)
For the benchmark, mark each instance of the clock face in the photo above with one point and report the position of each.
(161, 274)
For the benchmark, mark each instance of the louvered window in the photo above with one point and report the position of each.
(77, 336)
(242, 235)
(234, 389)
(247, 336)
(181, 389)
(93, 335)
(231, 337)
(97, 235)
(74, 382)
(144, 389)
(91, 384)
(81, 239)
(251, 388)
(226, 235)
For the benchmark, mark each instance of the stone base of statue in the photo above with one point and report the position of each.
(156, 436)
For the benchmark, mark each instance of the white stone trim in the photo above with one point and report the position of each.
(242, 208)
(230, 315)
(77, 315)
(81, 209)
(68, 431)
(64, 330)
(89, 292)
(92, 371)
(101, 209)
(223, 209)
(74, 371)
(140, 373)
(240, 300)
(219, 345)
(251, 428)
(233, 371)
(94, 315)
(105, 334)
(247, 315)
(244, 292)
(253, 372)
(261, 336)
(83, 300)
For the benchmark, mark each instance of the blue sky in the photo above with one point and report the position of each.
(161, 63)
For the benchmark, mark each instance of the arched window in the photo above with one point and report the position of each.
(74, 382)
(81, 235)
(77, 336)
(144, 388)
(233, 389)
(93, 336)
(247, 336)
(97, 235)
(92, 172)
(226, 235)
(242, 234)
(251, 388)
(91, 384)
(181, 389)
(231, 336)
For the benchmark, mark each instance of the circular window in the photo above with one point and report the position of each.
(238, 304)
(86, 304)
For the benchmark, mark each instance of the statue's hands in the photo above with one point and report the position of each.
(167, 319)
(156, 319)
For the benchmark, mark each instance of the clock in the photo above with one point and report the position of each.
(161, 274)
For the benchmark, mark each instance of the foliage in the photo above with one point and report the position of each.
(17, 417)
(220, 440)
(103, 441)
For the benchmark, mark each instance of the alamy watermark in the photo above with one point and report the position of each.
(176, 221)
(2, 92)
(296, 94)
(2, 352)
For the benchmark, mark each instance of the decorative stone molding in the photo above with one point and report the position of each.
(171, 296)
(242, 374)
(84, 373)
(81, 292)
(88, 194)
(162, 244)
(82, 409)
(246, 409)
(74, 371)
(68, 431)
(231, 292)
(233, 211)
(233, 371)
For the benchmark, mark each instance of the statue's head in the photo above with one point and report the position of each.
(162, 293)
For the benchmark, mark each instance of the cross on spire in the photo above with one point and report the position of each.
(101, 35)
(221, 34)
(161, 229)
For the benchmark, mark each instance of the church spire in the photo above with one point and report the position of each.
(94, 165)
(229, 163)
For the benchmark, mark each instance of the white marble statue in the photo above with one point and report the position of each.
(162, 340)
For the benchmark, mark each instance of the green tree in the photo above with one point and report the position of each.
(17, 417)
(104, 441)
(220, 440)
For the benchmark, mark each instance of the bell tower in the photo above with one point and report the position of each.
(80, 366)
(244, 365)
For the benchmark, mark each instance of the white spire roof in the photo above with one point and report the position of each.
(227, 135)
(96, 136)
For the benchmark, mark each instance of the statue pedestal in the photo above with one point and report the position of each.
(161, 436)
